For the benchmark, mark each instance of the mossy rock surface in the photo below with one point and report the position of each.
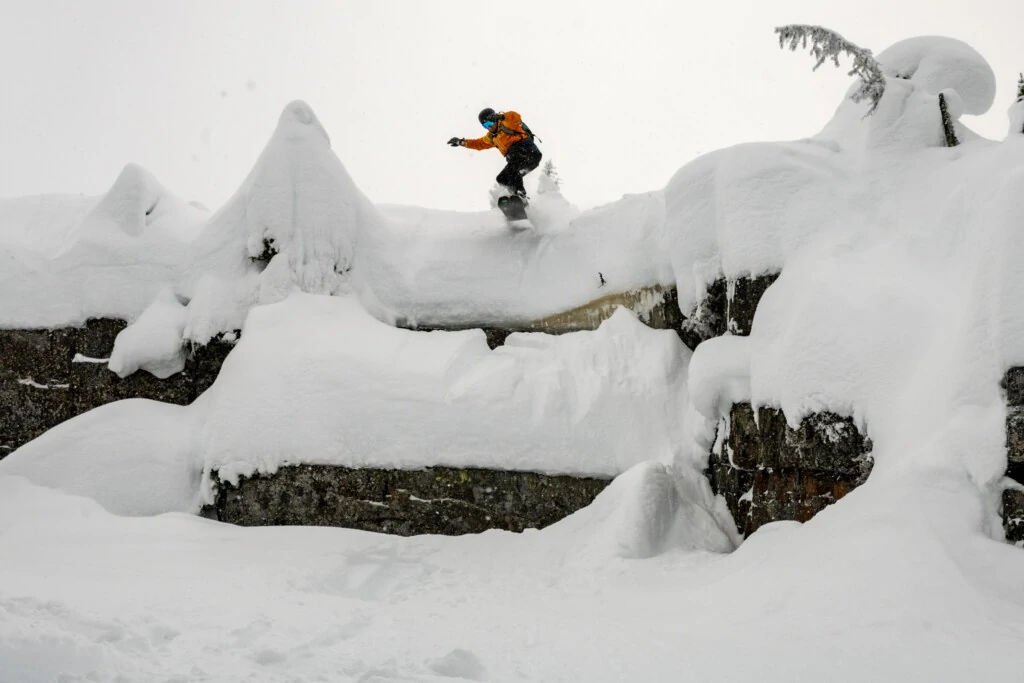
(436, 500)
(41, 385)
(768, 471)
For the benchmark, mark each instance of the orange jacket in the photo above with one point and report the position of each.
(506, 133)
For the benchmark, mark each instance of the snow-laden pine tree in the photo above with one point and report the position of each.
(827, 44)
(549, 180)
(1016, 110)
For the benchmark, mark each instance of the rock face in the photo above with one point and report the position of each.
(1013, 498)
(437, 500)
(728, 306)
(656, 306)
(48, 376)
(767, 471)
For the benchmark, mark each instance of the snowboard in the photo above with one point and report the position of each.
(514, 209)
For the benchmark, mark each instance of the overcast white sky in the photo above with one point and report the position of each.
(622, 93)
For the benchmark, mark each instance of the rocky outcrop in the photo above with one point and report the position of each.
(657, 306)
(436, 500)
(1013, 497)
(48, 376)
(727, 306)
(767, 471)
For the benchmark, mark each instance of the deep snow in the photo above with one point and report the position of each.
(899, 304)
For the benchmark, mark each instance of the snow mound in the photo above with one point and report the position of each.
(742, 211)
(642, 513)
(134, 457)
(299, 206)
(154, 341)
(720, 375)
(138, 203)
(41, 223)
(314, 378)
(936, 63)
(64, 259)
(459, 663)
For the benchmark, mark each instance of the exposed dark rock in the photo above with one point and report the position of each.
(743, 442)
(203, 364)
(26, 411)
(656, 306)
(43, 356)
(437, 500)
(1013, 499)
(735, 485)
(709, 319)
(1013, 515)
(768, 471)
(793, 494)
(1015, 435)
(742, 297)
(1013, 383)
(42, 384)
(824, 442)
(728, 305)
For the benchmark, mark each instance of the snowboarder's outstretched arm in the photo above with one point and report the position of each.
(479, 143)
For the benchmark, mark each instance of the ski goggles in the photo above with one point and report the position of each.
(488, 124)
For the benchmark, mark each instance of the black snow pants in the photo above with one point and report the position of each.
(522, 158)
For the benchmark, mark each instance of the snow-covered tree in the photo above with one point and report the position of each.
(1016, 110)
(552, 173)
(549, 180)
(827, 44)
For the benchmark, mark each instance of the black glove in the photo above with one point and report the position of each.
(456, 142)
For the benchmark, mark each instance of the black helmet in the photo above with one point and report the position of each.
(485, 114)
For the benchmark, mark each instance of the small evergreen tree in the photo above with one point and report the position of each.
(827, 44)
(549, 180)
(550, 171)
(1016, 111)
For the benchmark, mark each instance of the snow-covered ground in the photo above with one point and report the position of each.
(899, 304)
(877, 588)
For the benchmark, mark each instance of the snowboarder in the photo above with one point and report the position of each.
(513, 138)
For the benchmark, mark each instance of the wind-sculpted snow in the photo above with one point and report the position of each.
(66, 259)
(316, 379)
(299, 205)
(935, 63)
(331, 377)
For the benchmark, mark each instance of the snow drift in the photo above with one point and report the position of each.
(66, 259)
